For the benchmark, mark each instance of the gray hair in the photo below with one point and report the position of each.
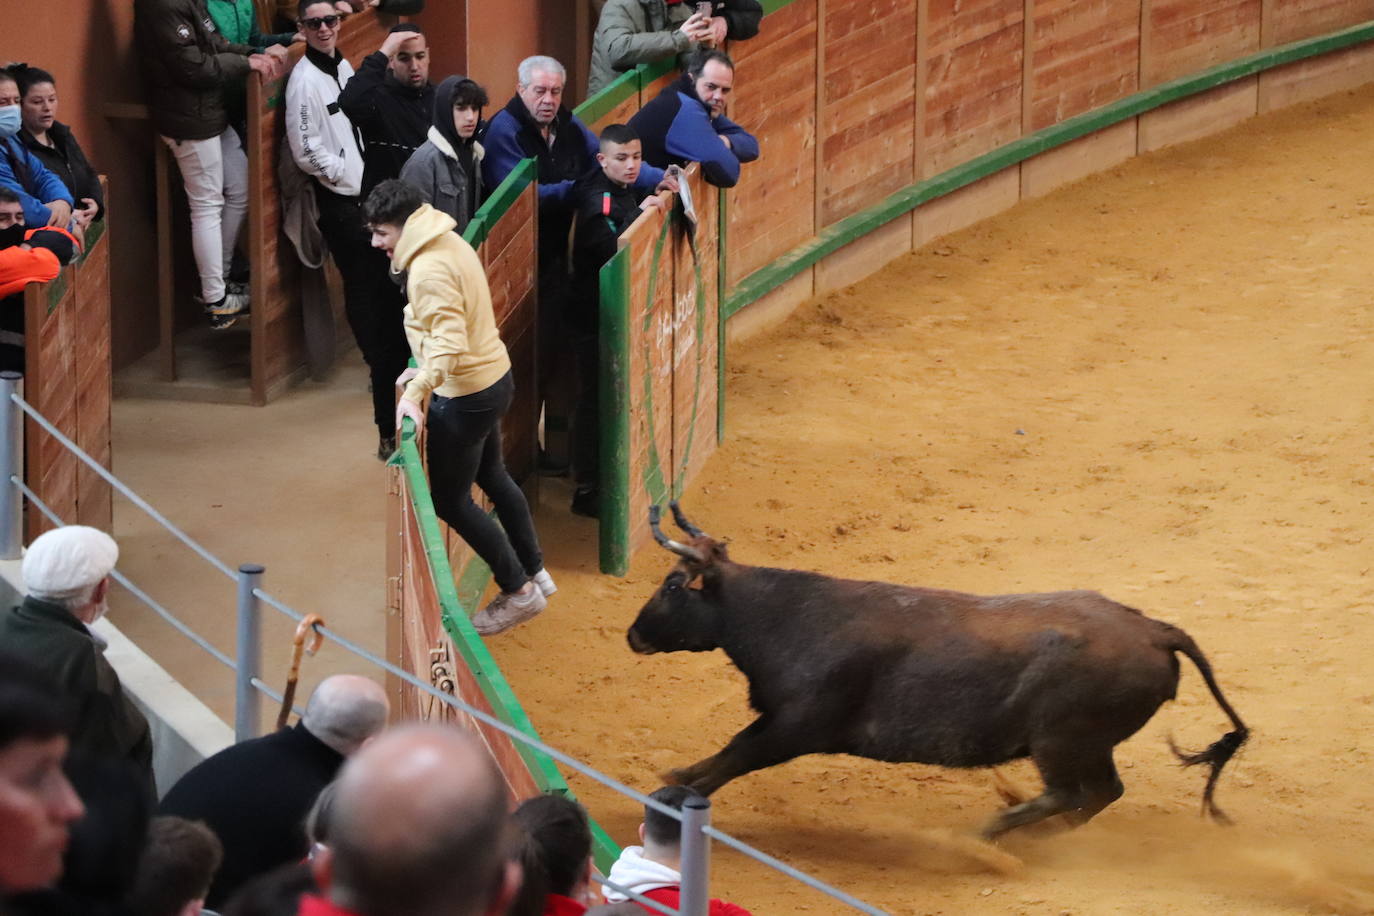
(345, 710)
(525, 72)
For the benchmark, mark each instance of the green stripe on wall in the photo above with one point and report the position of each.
(836, 236)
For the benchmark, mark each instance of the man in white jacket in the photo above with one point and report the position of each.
(652, 870)
(327, 146)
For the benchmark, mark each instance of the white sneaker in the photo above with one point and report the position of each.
(545, 583)
(509, 609)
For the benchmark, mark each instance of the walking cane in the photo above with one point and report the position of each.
(305, 629)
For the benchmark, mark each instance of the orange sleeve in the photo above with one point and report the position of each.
(21, 266)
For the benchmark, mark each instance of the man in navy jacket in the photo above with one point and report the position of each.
(686, 122)
(536, 124)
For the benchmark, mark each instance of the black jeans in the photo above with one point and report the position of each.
(586, 448)
(372, 301)
(463, 448)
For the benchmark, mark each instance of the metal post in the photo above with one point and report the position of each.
(11, 465)
(247, 700)
(696, 857)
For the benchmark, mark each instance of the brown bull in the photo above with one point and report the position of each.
(893, 673)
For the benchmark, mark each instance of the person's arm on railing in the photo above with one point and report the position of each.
(45, 199)
(742, 143)
(693, 137)
(447, 336)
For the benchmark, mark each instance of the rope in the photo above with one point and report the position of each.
(115, 482)
(452, 701)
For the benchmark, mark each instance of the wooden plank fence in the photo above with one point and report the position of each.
(67, 378)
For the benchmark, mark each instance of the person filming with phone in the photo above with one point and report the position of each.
(632, 32)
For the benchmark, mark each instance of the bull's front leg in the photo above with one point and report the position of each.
(765, 742)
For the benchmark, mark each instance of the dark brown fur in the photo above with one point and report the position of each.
(900, 674)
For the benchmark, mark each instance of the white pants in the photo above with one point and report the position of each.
(215, 173)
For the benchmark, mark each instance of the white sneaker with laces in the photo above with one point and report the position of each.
(509, 609)
(544, 581)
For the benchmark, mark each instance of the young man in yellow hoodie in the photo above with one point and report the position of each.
(464, 370)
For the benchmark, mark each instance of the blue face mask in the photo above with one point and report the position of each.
(9, 121)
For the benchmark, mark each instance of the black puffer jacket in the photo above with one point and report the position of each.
(186, 63)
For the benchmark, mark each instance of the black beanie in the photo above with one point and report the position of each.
(59, 243)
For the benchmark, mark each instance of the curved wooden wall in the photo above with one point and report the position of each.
(886, 123)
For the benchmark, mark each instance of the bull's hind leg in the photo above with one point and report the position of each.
(765, 742)
(1079, 782)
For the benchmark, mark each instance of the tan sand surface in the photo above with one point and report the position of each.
(1156, 384)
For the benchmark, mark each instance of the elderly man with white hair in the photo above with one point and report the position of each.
(537, 124)
(67, 579)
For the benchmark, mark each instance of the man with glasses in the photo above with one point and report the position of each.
(327, 146)
(188, 64)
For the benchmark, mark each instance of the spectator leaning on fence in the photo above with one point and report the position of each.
(38, 257)
(188, 65)
(631, 32)
(606, 202)
(255, 795)
(447, 168)
(536, 124)
(67, 574)
(53, 143)
(686, 122)
(464, 370)
(420, 829)
(391, 102)
(46, 201)
(652, 870)
(327, 146)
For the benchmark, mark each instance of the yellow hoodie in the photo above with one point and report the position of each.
(449, 320)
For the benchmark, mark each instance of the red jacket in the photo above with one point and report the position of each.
(558, 905)
(668, 896)
(318, 906)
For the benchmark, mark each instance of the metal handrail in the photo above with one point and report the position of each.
(696, 822)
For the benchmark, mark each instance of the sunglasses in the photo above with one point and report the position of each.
(315, 23)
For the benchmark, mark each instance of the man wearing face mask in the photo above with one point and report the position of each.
(66, 574)
(45, 200)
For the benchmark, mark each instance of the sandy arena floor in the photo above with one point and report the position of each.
(1156, 384)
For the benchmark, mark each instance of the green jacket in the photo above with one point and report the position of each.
(632, 32)
(238, 23)
(107, 724)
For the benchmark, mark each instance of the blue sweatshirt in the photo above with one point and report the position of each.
(676, 128)
(22, 172)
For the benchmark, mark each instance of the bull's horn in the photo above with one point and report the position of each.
(683, 523)
(681, 550)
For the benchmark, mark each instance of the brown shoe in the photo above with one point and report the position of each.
(509, 609)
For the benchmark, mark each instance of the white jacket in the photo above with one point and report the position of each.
(634, 872)
(323, 141)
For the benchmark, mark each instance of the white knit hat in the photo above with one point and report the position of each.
(62, 562)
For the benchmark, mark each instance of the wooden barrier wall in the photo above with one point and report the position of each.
(428, 634)
(277, 349)
(857, 102)
(67, 378)
(660, 346)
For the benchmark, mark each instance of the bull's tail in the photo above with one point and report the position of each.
(1221, 750)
